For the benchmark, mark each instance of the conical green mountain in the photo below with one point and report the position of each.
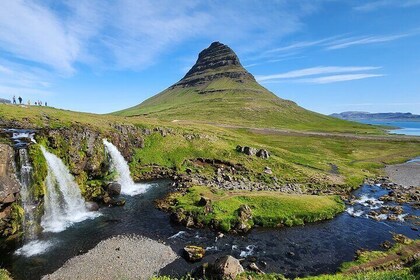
(219, 90)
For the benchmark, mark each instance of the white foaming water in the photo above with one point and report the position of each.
(212, 248)
(354, 213)
(63, 202)
(20, 135)
(371, 202)
(33, 248)
(177, 234)
(128, 186)
(249, 251)
(401, 217)
(28, 202)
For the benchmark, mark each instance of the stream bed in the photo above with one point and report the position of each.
(303, 250)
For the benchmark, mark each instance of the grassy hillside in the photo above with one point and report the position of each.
(218, 89)
(248, 104)
(295, 157)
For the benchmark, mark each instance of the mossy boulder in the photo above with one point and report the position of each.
(194, 253)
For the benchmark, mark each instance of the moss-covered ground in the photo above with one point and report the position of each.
(268, 209)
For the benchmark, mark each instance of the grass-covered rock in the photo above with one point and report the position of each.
(240, 210)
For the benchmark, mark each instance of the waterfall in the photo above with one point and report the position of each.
(63, 202)
(128, 186)
(28, 203)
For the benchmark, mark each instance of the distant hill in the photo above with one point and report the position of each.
(355, 115)
(217, 89)
(2, 100)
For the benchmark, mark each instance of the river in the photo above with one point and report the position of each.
(304, 250)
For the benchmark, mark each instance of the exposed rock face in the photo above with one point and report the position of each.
(9, 185)
(215, 62)
(250, 151)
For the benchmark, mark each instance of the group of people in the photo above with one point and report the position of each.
(39, 102)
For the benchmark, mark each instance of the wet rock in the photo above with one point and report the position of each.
(227, 267)
(194, 253)
(255, 268)
(92, 206)
(386, 244)
(113, 188)
(113, 202)
(400, 238)
(291, 254)
(392, 217)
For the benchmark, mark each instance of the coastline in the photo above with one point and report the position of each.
(119, 257)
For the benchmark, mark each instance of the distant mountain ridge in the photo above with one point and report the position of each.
(356, 115)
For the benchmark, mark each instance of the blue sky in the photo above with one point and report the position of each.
(102, 56)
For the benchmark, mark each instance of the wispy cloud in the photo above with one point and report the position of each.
(61, 36)
(375, 5)
(364, 40)
(339, 78)
(341, 74)
(314, 71)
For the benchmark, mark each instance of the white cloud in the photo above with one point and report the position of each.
(33, 32)
(314, 71)
(354, 41)
(339, 78)
(133, 33)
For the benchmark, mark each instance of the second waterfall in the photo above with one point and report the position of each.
(128, 186)
(64, 204)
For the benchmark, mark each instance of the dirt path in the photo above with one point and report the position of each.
(398, 257)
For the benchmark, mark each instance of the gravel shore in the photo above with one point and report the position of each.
(120, 257)
(405, 174)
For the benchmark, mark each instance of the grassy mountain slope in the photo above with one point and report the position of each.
(219, 90)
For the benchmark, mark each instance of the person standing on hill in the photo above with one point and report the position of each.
(14, 99)
(20, 100)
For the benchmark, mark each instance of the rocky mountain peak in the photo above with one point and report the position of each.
(215, 62)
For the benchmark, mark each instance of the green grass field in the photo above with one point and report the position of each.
(295, 157)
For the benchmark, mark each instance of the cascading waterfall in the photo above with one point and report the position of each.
(63, 202)
(28, 202)
(128, 186)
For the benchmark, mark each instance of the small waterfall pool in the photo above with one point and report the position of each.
(312, 249)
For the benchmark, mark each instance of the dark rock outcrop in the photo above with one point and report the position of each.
(113, 188)
(215, 62)
(9, 187)
(250, 151)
